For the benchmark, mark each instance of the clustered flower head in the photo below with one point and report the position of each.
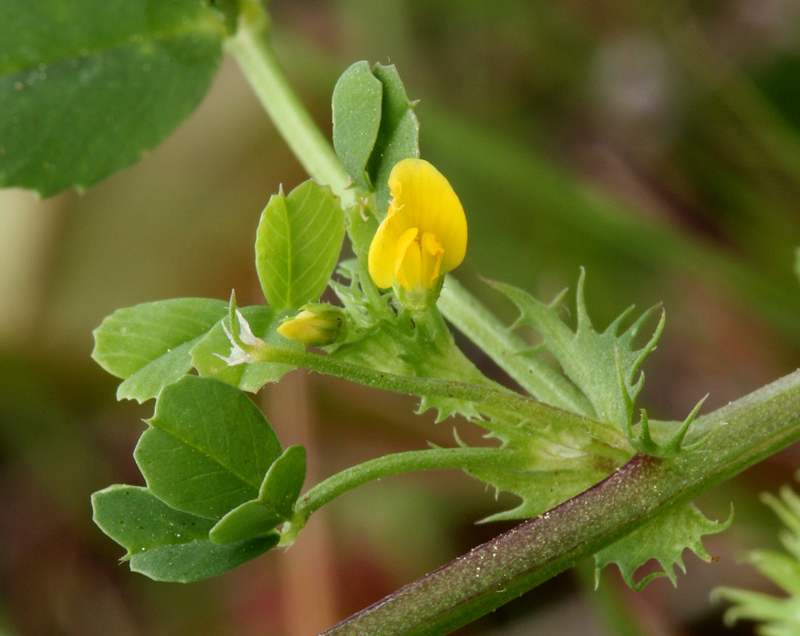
(423, 236)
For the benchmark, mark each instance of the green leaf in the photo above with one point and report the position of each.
(664, 538)
(284, 481)
(297, 245)
(357, 101)
(207, 449)
(509, 351)
(540, 490)
(167, 544)
(248, 377)
(148, 345)
(87, 87)
(777, 615)
(198, 560)
(398, 136)
(589, 358)
(275, 502)
(138, 520)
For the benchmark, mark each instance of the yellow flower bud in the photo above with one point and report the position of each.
(316, 325)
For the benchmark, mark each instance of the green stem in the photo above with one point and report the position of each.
(412, 461)
(487, 400)
(498, 571)
(253, 51)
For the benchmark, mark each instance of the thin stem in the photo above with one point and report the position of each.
(253, 51)
(411, 461)
(485, 399)
(498, 571)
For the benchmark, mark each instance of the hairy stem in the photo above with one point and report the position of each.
(488, 400)
(517, 561)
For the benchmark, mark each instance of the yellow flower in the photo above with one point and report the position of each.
(423, 236)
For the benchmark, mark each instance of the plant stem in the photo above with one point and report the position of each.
(253, 51)
(488, 400)
(517, 561)
(412, 461)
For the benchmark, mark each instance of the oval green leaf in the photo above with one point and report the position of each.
(356, 120)
(167, 544)
(207, 449)
(87, 87)
(188, 562)
(297, 245)
(138, 520)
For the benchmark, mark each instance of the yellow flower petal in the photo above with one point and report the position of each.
(408, 259)
(381, 252)
(423, 198)
(424, 233)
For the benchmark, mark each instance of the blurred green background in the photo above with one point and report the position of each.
(655, 143)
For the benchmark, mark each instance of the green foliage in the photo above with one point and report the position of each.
(167, 544)
(164, 543)
(208, 452)
(149, 345)
(138, 520)
(297, 245)
(776, 616)
(356, 107)
(274, 504)
(398, 135)
(663, 539)
(87, 87)
(207, 353)
(591, 359)
(207, 449)
(374, 126)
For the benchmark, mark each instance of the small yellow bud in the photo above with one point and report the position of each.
(316, 325)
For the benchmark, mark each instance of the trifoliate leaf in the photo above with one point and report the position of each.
(297, 245)
(207, 449)
(164, 543)
(663, 538)
(589, 358)
(148, 345)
